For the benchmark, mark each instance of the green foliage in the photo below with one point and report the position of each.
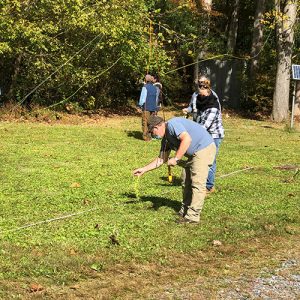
(260, 89)
(95, 52)
(72, 44)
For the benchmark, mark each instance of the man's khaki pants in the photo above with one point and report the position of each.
(194, 176)
(145, 117)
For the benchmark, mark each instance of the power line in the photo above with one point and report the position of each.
(55, 104)
(32, 91)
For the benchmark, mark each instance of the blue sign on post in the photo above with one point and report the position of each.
(296, 76)
(296, 72)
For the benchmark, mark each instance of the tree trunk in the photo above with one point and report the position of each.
(285, 38)
(16, 71)
(233, 28)
(205, 5)
(257, 37)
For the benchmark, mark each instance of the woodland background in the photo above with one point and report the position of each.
(94, 54)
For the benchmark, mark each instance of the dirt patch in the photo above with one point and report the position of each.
(71, 115)
(287, 167)
(261, 274)
(14, 113)
(258, 269)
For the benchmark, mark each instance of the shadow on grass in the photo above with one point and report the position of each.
(135, 134)
(157, 202)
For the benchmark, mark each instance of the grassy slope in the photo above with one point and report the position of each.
(50, 171)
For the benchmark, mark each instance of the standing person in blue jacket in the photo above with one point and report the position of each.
(207, 112)
(191, 140)
(148, 104)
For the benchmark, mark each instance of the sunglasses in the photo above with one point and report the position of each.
(203, 87)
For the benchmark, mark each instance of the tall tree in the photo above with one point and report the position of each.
(286, 12)
(205, 6)
(257, 37)
(233, 27)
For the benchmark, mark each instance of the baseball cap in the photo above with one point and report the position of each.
(154, 121)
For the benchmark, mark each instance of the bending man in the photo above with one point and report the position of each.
(191, 140)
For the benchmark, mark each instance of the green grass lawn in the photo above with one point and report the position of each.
(49, 171)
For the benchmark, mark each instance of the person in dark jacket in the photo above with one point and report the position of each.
(148, 104)
(207, 112)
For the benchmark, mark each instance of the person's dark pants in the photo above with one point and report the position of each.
(145, 117)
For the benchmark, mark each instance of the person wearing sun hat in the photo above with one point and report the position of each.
(188, 139)
(148, 104)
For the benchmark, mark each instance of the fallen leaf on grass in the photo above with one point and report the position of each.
(35, 287)
(269, 227)
(97, 267)
(75, 287)
(217, 243)
(75, 185)
(290, 230)
(114, 240)
(289, 180)
(72, 252)
(86, 201)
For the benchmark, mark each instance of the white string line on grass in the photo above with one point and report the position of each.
(51, 220)
(234, 172)
(92, 209)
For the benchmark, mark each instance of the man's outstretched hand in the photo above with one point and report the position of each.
(139, 172)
